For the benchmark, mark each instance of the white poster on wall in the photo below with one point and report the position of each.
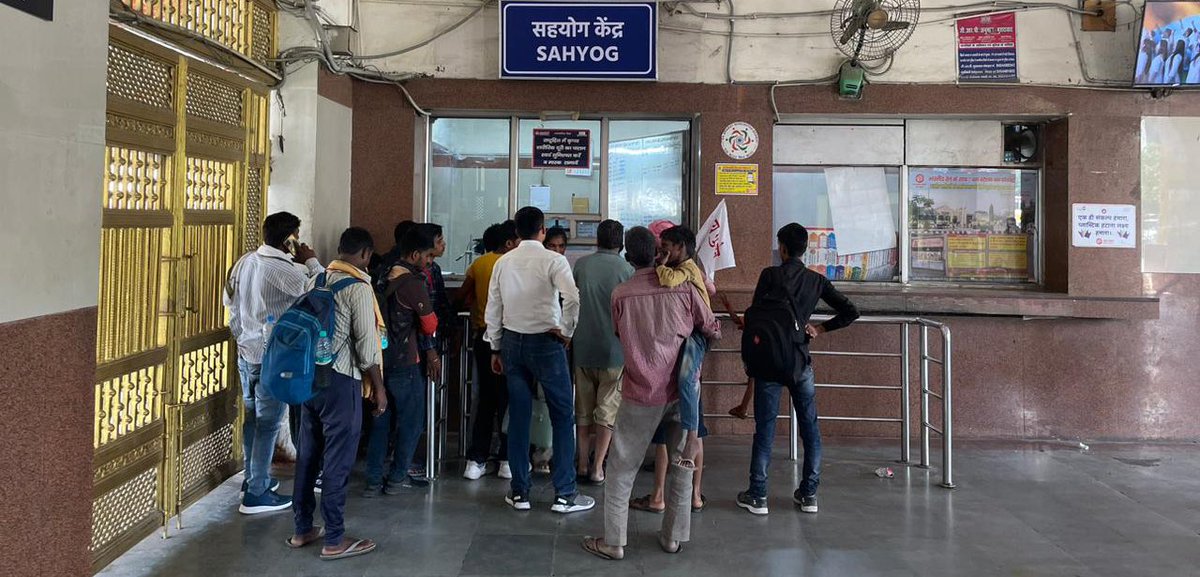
(860, 209)
(1104, 226)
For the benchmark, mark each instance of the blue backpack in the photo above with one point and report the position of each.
(289, 365)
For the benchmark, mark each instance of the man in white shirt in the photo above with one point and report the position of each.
(529, 332)
(261, 287)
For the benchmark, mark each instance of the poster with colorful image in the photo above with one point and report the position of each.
(822, 257)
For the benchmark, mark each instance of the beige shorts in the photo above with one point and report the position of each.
(597, 396)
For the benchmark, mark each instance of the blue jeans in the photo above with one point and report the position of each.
(766, 409)
(330, 424)
(262, 417)
(539, 359)
(691, 358)
(402, 423)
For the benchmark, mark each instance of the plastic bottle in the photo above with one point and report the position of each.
(383, 340)
(266, 330)
(885, 473)
(324, 349)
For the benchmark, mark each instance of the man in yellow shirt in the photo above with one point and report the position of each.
(492, 389)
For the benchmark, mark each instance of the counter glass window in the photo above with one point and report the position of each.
(555, 176)
(646, 164)
(972, 224)
(852, 215)
(468, 182)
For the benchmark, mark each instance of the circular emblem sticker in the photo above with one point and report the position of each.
(740, 141)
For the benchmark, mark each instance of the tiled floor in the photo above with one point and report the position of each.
(1020, 510)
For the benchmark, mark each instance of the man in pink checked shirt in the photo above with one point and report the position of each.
(652, 322)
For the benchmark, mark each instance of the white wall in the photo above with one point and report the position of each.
(51, 157)
(331, 209)
(310, 176)
(1046, 51)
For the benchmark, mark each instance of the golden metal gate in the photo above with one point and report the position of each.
(186, 170)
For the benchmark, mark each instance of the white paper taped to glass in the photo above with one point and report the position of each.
(860, 209)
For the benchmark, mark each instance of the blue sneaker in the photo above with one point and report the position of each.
(265, 503)
(273, 485)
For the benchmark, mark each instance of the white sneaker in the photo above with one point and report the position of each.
(474, 470)
(505, 471)
(573, 504)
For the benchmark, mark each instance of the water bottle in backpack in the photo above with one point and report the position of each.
(299, 354)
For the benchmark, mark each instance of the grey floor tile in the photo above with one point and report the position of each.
(1021, 510)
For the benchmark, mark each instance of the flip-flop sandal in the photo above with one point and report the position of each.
(592, 545)
(594, 482)
(662, 544)
(643, 504)
(685, 463)
(354, 550)
(703, 504)
(317, 537)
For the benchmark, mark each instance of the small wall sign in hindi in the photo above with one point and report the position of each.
(43, 9)
(562, 149)
(1104, 226)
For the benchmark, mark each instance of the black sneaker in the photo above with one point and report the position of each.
(807, 504)
(518, 502)
(273, 485)
(408, 484)
(572, 503)
(756, 505)
(372, 490)
(265, 503)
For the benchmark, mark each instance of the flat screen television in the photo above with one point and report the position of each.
(1169, 47)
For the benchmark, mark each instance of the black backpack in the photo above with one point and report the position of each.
(399, 319)
(772, 337)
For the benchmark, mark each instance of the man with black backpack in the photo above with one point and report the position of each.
(775, 351)
(408, 312)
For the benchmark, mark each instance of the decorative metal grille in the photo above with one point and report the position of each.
(204, 456)
(223, 21)
(140, 78)
(136, 179)
(211, 99)
(127, 403)
(262, 48)
(131, 271)
(252, 235)
(210, 184)
(203, 372)
(119, 510)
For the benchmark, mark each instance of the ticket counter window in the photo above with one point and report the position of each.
(559, 190)
(647, 170)
(972, 224)
(852, 215)
(468, 182)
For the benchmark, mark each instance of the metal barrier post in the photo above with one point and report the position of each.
(431, 428)
(947, 413)
(466, 385)
(793, 433)
(905, 400)
(924, 397)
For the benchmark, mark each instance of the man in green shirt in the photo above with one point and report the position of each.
(598, 358)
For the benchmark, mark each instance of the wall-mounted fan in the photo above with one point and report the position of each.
(867, 30)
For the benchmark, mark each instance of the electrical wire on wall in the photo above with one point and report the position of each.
(357, 67)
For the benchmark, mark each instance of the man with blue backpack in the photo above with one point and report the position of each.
(326, 352)
(775, 342)
(261, 286)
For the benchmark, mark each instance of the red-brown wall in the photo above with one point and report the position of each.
(1014, 378)
(46, 380)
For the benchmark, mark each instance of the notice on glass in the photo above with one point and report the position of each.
(860, 209)
(539, 196)
(562, 148)
(1104, 226)
(737, 179)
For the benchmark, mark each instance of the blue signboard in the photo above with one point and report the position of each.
(579, 41)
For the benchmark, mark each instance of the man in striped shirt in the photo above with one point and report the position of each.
(261, 287)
